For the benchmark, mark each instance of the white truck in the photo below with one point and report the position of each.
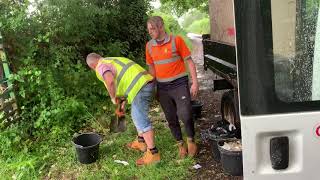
(268, 55)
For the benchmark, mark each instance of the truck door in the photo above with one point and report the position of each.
(278, 61)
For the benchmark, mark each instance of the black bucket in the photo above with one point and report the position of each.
(216, 135)
(215, 149)
(196, 109)
(231, 160)
(87, 147)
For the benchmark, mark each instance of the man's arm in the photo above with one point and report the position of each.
(109, 81)
(149, 61)
(194, 87)
(185, 53)
(152, 70)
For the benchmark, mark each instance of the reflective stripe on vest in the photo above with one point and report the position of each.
(125, 67)
(174, 58)
(174, 47)
(166, 61)
(130, 76)
(135, 80)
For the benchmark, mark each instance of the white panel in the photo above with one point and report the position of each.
(304, 144)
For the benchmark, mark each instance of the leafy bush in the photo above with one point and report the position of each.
(182, 6)
(191, 16)
(55, 90)
(200, 27)
(58, 95)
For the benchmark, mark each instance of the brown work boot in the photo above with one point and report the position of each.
(136, 145)
(192, 148)
(182, 150)
(148, 158)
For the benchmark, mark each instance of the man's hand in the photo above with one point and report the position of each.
(120, 113)
(194, 90)
(194, 87)
(121, 102)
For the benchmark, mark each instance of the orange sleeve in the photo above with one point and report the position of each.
(182, 48)
(149, 59)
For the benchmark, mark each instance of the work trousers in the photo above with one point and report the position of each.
(176, 104)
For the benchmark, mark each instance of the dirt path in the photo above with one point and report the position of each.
(210, 115)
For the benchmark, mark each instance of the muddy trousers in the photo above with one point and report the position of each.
(176, 104)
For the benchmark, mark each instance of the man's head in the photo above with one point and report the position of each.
(155, 27)
(93, 59)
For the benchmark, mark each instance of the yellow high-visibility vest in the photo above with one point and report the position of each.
(129, 79)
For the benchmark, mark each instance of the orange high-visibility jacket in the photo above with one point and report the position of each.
(168, 58)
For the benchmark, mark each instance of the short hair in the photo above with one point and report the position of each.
(93, 58)
(156, 20)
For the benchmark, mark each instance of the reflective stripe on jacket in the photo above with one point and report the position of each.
(129, 79)
(168, 63)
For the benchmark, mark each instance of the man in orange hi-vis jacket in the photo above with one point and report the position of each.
(166, 56)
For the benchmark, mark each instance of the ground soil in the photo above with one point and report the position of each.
(210, 169)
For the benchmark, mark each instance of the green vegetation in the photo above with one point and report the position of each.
(200, 27)
(182, 6)
(59, 96)
(57, 159)
(113, 148)
(191, 16)
(196, 21)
